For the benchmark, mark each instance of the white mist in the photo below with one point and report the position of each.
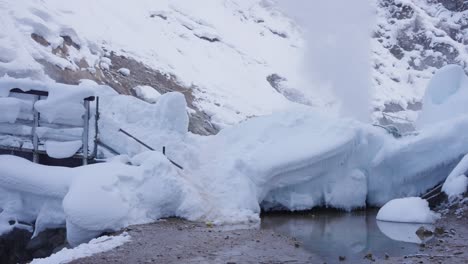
(338, 35)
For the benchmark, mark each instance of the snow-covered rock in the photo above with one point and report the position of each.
(124, 71)
(407, 210)
(147, 93)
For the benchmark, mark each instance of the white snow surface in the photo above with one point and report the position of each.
(293, 160)
(457, 182)
(407, 210)
(147, 93)
(223, 49)
(98, 245)
(61, 150)
(446, 96)
(64, 102)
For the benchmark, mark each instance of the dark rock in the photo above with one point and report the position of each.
(423, 233)
(40, 39)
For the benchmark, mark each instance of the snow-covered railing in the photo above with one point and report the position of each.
(23, 130)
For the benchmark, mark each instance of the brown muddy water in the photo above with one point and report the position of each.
(332, 234)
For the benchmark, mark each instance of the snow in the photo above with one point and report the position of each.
(294, 160)
(457, 182)
(98, 245)
(31, 193)
(245, 49)
(407, 210)
(147, 93)
(124, 71)
(61, 150)
(64, 102)
(11, 109)
(446, 96)
(284, 156)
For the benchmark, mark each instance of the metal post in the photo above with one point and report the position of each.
(85, 132)
(96, 128)
(35, 139)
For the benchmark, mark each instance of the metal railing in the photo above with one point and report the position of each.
(35, 124)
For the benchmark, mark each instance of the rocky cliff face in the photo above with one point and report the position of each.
(412, 40)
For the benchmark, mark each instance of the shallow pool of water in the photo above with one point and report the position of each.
(330, 234)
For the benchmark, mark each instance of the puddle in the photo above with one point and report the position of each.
(17, 246)
(330, 234)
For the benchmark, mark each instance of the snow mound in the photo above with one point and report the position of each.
(61, 150)
(147, 93)
(98, 245)
(407, 210)
(446, 96)
(457, 182)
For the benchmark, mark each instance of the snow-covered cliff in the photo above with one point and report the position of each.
(233, 59)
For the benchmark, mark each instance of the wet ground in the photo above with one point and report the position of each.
(354, 237)
(178, 241)
(320, 236)
(325, 236)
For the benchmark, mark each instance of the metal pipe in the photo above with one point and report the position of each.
(136, 139)
(96, 128)
(85, 132)
(35, 139)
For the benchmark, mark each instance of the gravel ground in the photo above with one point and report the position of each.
(179, 241)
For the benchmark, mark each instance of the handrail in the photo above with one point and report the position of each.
(150, 148)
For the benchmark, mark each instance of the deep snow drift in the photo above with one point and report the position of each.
(293, 160)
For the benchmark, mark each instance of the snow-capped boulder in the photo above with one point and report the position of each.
(407, 210)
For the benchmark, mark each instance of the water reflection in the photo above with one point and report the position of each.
(405, 232)
(331, 234)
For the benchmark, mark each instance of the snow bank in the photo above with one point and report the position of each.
(95, 246)
(407, 210)
(446, 96)
(457, 182)
(30, 192)
(65, 102)
(293, 160)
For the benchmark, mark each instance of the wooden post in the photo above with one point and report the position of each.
(35, 139)
(85, 132)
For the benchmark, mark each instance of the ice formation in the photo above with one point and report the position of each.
(446, 96)
(457, 182)
(407, 210)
